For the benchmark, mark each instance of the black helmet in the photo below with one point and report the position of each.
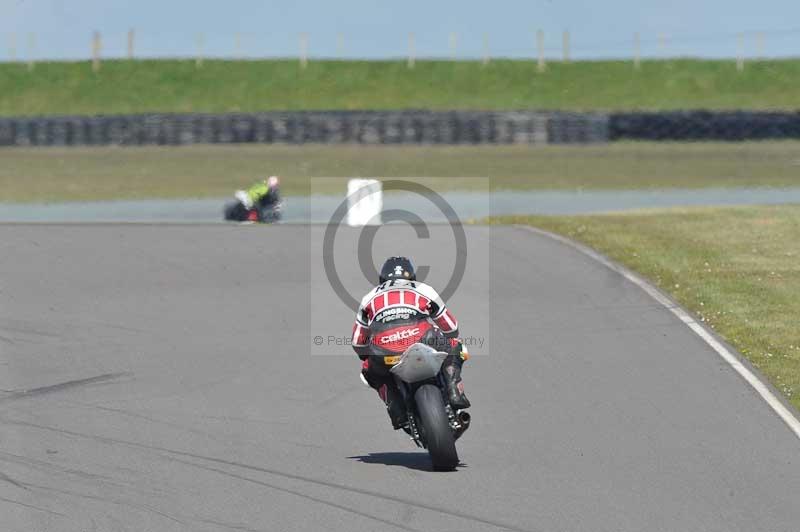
(397, 268)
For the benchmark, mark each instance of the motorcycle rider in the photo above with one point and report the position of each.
(263, 193)
(399, 312)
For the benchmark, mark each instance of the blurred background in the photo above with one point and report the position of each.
(359, 29)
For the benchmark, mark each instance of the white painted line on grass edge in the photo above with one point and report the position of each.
(752, 379)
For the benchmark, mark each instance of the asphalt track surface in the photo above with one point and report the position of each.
(160, 378)
(474, 205)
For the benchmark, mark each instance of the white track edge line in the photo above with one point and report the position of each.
(733, 360)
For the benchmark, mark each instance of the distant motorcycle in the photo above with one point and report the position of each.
(237, 211)
(432, 423)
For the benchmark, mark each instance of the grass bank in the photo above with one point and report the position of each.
(736, 268)
(64, 174)
(223, 86)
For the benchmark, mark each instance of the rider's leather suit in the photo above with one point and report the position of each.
(395, 315)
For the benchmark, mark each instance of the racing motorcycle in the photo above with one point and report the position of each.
(237, 211)
(432, 422)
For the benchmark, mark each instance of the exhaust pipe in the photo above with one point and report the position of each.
(464, 419)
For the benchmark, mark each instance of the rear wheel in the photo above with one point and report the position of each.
(235, 211)
(438, 434)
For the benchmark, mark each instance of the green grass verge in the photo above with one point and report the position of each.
(62, 174)
(220, 86)
(736, 268)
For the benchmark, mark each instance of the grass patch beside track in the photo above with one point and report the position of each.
(734, 267)
(226, 86)
(99, 173)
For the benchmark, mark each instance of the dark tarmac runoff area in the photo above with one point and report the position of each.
(166, 378)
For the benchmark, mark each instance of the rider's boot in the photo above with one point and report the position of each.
(452, 376)
(394, 405)
(388, 393)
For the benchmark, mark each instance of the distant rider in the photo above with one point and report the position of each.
(264, 193)
(399, 312)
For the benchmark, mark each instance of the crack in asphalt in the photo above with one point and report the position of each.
(31, 506)
(153, 420)
(119, 502)
(359, 491)
(29, 331)
(300, 494)
(11, 481)
(49, 467)
(332, 485)
(53, 388)
(231, 526)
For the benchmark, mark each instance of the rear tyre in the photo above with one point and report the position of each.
(438, 434)
(235, 211)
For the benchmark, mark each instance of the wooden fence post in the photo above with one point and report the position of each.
(740, 52)
(565, 45)
(31, 51)
(485, 60)
(96, 51)
(198, 60)
(412, 52)
(540, 64)
(637, 51)
(453, 45)
(131, 39)
(303, 50)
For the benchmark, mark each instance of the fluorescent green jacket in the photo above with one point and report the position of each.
(257, 192)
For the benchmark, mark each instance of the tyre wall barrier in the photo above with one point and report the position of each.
(332, 127)
(704, 125)
(396, 127)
